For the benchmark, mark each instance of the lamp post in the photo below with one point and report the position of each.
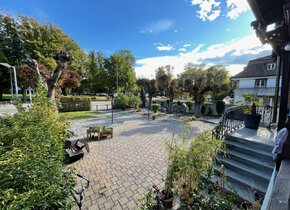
(15, 77)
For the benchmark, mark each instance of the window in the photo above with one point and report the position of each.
(271, 66)
(259, 83)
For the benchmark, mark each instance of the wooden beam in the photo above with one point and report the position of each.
(284, 89)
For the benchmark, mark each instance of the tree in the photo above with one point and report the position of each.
(119, 67)
(163, 76)
(172, 90)
(27, 78)
(150, 87)
(69, 79)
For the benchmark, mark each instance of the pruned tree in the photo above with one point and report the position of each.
(27, 77)
(172, 91)
(150, 87)
(69, 79)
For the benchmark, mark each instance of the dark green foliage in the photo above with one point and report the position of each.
(134, 102)
(73, 103)
(154, 101)
(202, 110)
(155, 107)
(178, 103)
(220, 107)
(168, 102)
(189, 104)
(31, 160)
(121, 101)
(162, 103)
(143, 95)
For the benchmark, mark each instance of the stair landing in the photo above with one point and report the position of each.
(262, 135)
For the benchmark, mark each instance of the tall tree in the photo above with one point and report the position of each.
(5, 84)
(163, 76)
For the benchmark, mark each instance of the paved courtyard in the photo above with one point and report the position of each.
(128, 163)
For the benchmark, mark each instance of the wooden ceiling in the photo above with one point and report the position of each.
(269, 12)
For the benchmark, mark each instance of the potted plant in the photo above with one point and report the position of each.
(252, 119)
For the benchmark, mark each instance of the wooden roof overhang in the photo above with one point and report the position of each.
(268, 12)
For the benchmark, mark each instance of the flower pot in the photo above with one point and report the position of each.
(167, 200)
(252, 121)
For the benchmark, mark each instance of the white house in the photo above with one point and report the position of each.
(258, 78)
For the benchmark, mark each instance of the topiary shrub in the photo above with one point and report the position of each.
(134, 102)
(202, 110)
(73, 103)
(121, 101)
(220, 107)
(31, 161)
(155, 107)
(189, 104)
(162, 103)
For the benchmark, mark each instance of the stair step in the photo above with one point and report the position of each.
(247, 149)
(245, 170)
(251, 161)
(245, 184)
(263, 145)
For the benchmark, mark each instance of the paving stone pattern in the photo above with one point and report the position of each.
(130, 162)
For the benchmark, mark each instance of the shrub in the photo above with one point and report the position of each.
(121, 101)
(167, 102)
(73, 103)
(220, 107)
(155, 107)
(134, 102)
(154, 102)
(31, 161)
(178, 103)
(189, 104)
(162, 103)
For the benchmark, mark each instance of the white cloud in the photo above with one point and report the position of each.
(175, 31)
(234, 55)
(157, 27)
(211, 9)
(182, 50)
(208, 9)
(165, 48)
(236, 7)
(187, 45)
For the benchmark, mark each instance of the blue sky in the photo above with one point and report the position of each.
(158, 32)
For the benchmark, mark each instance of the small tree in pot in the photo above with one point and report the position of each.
(252, 119)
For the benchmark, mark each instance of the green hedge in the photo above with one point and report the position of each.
(73, 103)
(123, 101)
(134, 102)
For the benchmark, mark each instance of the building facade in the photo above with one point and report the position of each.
(259, 79)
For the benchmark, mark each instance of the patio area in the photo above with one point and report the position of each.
(122, 168)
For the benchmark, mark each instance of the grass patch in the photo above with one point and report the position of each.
(79, 115)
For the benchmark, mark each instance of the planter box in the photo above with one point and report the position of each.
(252, 121)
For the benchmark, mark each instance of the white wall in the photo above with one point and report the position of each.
(247, 83)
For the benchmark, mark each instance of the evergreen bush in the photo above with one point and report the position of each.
(155, 107)
(121, 101)
(134, 102)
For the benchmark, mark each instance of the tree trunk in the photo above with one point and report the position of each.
(24, 96)
(150, 102)
(51, 84)
(170, 105)
(197, 109)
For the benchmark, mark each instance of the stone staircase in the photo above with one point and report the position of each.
(248, 166)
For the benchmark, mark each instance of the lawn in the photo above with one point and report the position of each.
(79, 115)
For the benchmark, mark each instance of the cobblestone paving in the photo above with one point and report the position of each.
(128, 163)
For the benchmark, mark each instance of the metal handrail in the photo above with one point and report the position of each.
(233, 119)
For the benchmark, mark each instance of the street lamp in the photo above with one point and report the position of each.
(15, 78)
